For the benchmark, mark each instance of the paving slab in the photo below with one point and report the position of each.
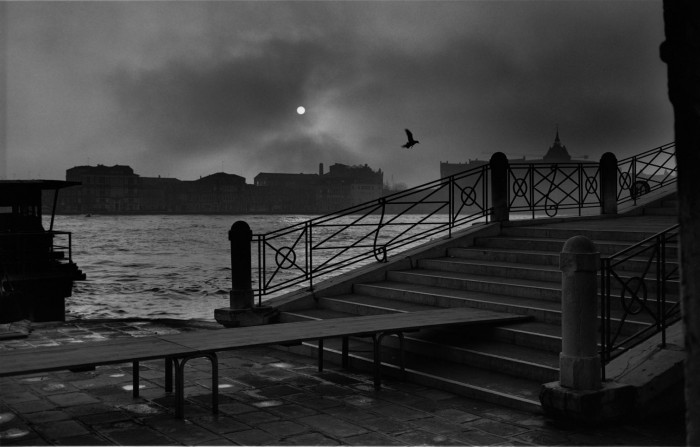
(267, 397)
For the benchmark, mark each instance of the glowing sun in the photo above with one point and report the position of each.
(301, 110)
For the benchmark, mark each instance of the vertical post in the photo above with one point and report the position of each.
(679, 52)
(242, 311)
(579, 363)
(499, 187)
(240, 236)
(608, 183)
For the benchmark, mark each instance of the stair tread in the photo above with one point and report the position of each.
(319, 314)
(504, 264)
(386, 303)
(466, 294)
(492, 381)
(494, 349)
(555, 285)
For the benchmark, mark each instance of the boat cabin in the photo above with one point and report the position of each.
(36, 266)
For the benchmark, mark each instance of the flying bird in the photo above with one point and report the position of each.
(411, 142)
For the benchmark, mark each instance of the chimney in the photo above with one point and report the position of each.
(320, 169)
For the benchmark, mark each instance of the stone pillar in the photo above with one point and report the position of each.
(499, 187)
(241, 295)
(579, 362)
(608, 183)
(681, 52)
(241, 310)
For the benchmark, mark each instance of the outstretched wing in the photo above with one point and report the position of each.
(409, 135)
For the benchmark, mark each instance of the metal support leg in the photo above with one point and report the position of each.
(346, 349)
(168, 375)
(402, 356)
(320, 355)
(377, 343)
(180, 383)
(135, 379)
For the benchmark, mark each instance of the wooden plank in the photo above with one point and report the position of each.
(236, 338)
(28, 361)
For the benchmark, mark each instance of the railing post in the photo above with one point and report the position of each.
(579, 362)
(241, 295)
(241, 310)
(499, 187)
(608, 183)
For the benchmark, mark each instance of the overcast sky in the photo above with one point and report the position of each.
(187, 89)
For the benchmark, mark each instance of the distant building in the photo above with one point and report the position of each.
(557, 153)
(117, 190)
(104, 189)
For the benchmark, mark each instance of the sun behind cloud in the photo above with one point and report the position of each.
(301, 110)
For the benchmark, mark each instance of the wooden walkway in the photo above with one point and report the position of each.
(178, 349)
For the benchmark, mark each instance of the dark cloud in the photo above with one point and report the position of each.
(203, 105)
(205, 83)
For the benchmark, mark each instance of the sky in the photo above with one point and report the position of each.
(189, 88)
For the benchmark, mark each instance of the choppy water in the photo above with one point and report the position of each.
(160, 266)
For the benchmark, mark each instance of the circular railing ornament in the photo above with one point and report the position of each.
(285, 258)
(625, 180)
(551, 207)
(468, 196)
(591, 185)
(634, 304)
(520, 187)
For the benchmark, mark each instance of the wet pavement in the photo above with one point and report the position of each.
(267, 397)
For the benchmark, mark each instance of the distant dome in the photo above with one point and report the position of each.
(558, 152)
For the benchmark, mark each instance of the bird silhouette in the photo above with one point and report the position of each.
(411, 142)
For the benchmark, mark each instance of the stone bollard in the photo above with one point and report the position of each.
(579, 361)
(580, 396)
(499, 187)
(608, 183)
(240, 236)
(241, 310)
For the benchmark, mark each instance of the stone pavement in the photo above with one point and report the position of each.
(268, 397)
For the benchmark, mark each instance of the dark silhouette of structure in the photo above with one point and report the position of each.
(411, 142)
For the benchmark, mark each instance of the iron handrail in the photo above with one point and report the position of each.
(635, 319)
(307, 251)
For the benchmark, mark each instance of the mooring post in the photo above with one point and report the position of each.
(579, 362)
(608, 183)
(241, 310)
(499, 187)
(240, 236)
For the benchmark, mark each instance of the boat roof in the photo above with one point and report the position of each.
(41, 184)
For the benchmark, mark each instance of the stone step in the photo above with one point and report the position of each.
(311, 314)
(357, 304)
(552, 232)
(541, 310)
(547, 259)
(662, 211)
(605, 248)
(493, 268)
(465, 380)
(525, 288)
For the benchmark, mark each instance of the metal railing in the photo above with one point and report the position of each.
(651, 170)
(355, 236)
(639, 293)
(302, 254)
(551, 187)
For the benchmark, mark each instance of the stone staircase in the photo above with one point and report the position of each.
(516, 272)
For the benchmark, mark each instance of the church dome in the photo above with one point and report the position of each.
(557, 152)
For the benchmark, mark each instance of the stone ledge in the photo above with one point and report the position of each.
(612, 403)
(253, 316)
